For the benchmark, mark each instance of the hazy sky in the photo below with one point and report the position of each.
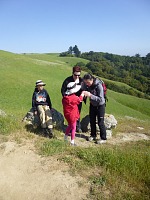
(50, 26)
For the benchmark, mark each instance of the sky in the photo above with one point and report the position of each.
(51, 26)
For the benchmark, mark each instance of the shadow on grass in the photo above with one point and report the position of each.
(81, 135)
(36, 130)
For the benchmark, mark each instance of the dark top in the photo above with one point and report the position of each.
(68, 80)
(40, 98)
(96, 89)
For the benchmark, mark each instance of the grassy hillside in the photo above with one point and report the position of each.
(18, 74)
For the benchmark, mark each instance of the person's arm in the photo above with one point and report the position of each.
(64, 87)
(99, 94)
(49, 101)
(84, 88)
(77, 100)
(34, 107)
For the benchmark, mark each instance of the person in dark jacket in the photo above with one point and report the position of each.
(97, 106)
(41, 104)
(76, 72)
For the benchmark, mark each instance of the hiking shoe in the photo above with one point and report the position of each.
(73, 144)
(44, 132)
(101, 141)
(50, 133)
(66, 138)
(90, 139)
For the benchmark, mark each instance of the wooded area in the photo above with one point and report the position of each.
(132, 70)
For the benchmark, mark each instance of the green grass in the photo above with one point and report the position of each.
(127, 105)
(54, 57)
(53, 147)
(122, 171)
(19, 73)
(8, 124)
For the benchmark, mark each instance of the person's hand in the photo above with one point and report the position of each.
(35, 112)
(87, 94)
(82, 94)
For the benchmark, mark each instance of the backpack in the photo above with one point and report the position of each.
(105, 90)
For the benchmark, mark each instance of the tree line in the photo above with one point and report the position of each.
(132, 70)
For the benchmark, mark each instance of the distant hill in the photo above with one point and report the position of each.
(132, 70)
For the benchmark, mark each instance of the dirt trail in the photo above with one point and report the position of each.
(25, 175)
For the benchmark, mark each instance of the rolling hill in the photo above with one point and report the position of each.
(18, 73)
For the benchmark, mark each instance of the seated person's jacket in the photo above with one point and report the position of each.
(40, 98)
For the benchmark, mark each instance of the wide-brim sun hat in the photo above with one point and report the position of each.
(72, 88)
(40, 82)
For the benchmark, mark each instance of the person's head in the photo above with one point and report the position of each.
(88, 79)
(40, 85)
(72, 88)
(76, 71)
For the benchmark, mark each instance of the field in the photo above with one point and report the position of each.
(113, 171)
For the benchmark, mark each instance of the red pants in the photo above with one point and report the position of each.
(72, 128)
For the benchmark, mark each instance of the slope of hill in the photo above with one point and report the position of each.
(19, 73)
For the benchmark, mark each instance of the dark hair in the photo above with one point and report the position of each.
(76, 69)
(88, 77)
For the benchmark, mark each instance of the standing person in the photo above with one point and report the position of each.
(42, 105)
(70, 103)
(76, 72)
(97, 106)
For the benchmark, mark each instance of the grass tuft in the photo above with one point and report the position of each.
(9, 124)
(53, 147)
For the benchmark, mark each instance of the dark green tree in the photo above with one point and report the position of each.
(76, 51)
(137, 55)
(70, 50)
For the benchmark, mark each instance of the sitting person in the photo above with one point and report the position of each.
(41, 104)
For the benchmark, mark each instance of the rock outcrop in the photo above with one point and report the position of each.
(57, 118)
(109, 120)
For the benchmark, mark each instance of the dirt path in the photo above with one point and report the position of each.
(25, 175)
(116, 140)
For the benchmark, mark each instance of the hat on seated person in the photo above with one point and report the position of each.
(40, 82)
(72, 88)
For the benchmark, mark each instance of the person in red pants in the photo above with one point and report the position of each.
(70, 102)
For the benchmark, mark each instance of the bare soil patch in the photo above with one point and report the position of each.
(26, 175)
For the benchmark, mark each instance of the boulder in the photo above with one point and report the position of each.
(109, 120)
(108, 133)
(57, 118)
(85, 124)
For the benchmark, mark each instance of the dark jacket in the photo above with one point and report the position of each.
(40, 98)
(96, 89)
(68, 80)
